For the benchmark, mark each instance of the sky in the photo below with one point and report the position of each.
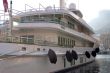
(89, 8)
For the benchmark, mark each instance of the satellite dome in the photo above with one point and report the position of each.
(48, 8)
(72, 6)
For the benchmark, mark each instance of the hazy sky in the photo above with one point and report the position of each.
(89, 8)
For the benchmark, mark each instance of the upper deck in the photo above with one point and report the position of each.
(72, 13)
(54, 18)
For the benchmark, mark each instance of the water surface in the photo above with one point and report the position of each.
(100, 65)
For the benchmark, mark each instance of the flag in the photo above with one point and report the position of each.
(5, 4)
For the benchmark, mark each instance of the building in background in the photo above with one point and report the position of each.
(105, 40)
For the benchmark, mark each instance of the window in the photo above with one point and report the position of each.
(70, 43)
(63, 41)
(23, 39)
(73, 43)
(38, 49)
(23, 48)
(59, 40)
(28, 18)
(71, 25)
(22, 19)
(28, 39)
(66, 42)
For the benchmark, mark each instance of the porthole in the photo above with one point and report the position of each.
(23, 48)
(38, 49)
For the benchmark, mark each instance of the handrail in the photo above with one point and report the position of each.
(54, 9)
(12, 40)
(53, 20)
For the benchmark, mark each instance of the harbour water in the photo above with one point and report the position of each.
(104, 63)
(19, 65)
(100, 65)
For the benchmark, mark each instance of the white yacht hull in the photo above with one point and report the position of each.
(34, 61)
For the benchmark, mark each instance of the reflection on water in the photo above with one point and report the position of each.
(101, 65)
(104, 63)
(90, 68)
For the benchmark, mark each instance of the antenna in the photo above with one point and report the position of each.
(78, 4)
(62, 4)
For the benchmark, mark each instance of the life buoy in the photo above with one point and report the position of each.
(52, 56)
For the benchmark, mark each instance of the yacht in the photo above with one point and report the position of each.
(48, 40)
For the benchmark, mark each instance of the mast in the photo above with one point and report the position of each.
(10, 22)
(62, 4)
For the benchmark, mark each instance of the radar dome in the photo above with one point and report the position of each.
(48, 8)
(72, 6)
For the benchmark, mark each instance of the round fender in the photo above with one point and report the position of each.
(87, 54)
(93, 53)
(74, 55)
(68, 56)
(52, 56)
(97, 50)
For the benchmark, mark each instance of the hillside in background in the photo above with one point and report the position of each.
(102, 22)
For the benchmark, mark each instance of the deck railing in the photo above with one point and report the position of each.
(18, 40)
